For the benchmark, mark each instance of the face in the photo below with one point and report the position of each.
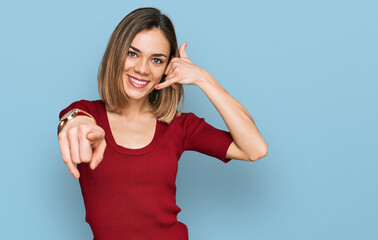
(145, 63)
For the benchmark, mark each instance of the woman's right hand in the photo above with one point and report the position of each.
(82, 141)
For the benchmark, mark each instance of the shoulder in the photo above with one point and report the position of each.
(85, 102)
(187, 122)
(186, 118)
(183, 119)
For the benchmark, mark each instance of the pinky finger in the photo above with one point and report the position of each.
(173, 85)
(167, 83)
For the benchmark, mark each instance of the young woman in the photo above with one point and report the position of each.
(126, 146)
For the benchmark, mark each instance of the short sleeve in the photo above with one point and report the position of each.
(85, 105)
(204, 138)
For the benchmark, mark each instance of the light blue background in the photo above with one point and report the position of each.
(305, 70)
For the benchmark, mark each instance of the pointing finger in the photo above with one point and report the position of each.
(98, 155)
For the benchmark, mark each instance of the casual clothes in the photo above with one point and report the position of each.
(132, 192)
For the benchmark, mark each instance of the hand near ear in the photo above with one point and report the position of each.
(182, 70)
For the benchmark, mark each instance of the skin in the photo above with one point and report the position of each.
(82, 140)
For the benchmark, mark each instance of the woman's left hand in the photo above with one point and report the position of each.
(182, 70)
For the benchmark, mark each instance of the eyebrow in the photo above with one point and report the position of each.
(154, 55)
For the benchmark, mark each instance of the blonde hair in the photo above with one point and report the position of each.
(110, 85)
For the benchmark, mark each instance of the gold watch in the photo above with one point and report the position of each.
(71, 115)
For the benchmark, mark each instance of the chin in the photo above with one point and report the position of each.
(137, 95)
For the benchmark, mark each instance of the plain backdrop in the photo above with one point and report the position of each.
(305, 70)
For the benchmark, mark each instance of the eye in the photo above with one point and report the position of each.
(132, 54)
(157, 60)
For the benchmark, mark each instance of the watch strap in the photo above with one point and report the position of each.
(71, 115)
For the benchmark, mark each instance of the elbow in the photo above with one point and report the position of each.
(261, 153)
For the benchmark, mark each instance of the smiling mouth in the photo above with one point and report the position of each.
(137, 83)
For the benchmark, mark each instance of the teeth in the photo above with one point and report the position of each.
(138, 82)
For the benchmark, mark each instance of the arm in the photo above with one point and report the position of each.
(248, 143)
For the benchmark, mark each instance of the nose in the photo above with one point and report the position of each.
(141, 67)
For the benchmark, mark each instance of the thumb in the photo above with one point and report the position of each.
(94, 135)
(182, 50)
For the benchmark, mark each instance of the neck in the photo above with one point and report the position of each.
(135, 108)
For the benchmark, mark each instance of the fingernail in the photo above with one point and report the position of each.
(93, 166)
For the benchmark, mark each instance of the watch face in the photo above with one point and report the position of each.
(69, 113)
(68, 116)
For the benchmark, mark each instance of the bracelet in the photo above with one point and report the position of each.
(71, 115)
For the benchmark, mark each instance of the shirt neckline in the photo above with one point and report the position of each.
(121, 149)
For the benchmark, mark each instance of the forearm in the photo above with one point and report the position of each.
(240, 123)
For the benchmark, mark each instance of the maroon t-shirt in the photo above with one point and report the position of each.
(132, 193)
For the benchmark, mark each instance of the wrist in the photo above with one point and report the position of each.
(207, 81)
(70, 115)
